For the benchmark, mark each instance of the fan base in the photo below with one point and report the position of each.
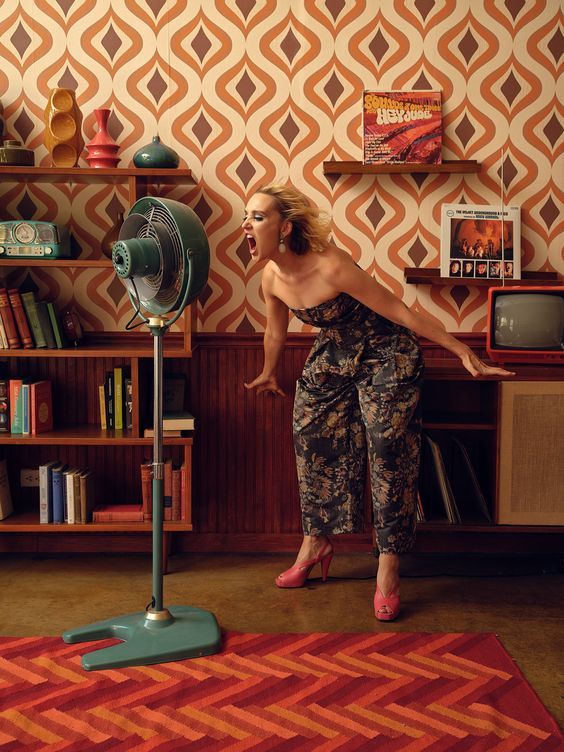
(188, 633)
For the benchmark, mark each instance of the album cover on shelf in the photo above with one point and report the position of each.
(402, 127)
(480, 242)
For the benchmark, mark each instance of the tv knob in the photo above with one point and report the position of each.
(48, 251)
(2, 249)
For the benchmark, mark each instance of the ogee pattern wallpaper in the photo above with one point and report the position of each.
(247, 91)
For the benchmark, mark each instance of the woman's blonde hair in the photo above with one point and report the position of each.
(310, 226)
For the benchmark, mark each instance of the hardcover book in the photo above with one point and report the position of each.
(41, 407)
(19, 315)
(118, 513)
(480, 242)
(402, 127)
(4, 406)
(180, 421)
(30, 305)
(46, 491)
(9, 321)
(58, 490)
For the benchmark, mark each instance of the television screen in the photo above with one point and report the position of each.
(526, 324)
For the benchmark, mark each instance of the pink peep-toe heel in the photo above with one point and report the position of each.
(386, 607)
(298, 574)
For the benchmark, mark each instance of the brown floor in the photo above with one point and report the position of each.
(519, 599)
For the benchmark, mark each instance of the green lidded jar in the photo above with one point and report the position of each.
(156, 154)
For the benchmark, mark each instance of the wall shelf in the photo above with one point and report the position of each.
(333, 167)
(432, 276)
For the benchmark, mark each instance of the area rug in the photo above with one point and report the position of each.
(277, 692)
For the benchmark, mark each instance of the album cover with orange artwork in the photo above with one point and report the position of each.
(402, 127)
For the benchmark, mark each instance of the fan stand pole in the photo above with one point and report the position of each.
(158, 634)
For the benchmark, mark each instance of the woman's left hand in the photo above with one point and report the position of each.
(477, 367)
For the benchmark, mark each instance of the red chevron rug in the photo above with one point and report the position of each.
(277, 693)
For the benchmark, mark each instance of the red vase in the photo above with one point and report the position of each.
(102, 150)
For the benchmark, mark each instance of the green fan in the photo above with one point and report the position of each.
(162, 257)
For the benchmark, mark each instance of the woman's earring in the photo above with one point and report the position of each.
(281, 244)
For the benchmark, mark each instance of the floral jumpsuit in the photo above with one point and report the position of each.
(358, 396)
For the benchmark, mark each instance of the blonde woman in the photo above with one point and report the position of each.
(357, 399)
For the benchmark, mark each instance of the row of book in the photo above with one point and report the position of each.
(26, 407)
(116, 399)
(26, 322)
(66, 494)
(455, 493)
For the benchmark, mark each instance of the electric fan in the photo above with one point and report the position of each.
(162, 257)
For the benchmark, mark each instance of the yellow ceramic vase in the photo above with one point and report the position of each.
(63, 128)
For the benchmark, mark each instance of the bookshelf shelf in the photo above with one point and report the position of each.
(432, 276)
(76, 373)
(27, 522)
(333, 167)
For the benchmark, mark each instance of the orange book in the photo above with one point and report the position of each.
(8, 320)
(175, 494)
(186, 493)
(21, 319)
(147, 489)
(118, 513)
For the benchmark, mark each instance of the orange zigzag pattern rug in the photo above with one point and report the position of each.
(277, 693)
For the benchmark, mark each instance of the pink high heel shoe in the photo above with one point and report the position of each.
(386, 607)
(298, 574)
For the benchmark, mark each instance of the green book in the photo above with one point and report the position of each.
(45, 322)
(118, 397)
(58, 333)
(30, 305)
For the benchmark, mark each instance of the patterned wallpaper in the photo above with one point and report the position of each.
(248, 91)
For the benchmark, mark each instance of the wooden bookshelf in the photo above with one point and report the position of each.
(76, 372)
(432, 276)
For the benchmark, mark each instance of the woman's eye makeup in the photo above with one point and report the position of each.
(254, 217)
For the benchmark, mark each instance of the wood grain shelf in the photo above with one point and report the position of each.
(85, 435)
(461, 166)
(432, 276)
(94, 174)
(27, 522)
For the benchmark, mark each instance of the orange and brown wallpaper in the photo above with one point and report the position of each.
(248, 91)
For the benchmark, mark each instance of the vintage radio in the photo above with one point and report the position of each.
(22, 239)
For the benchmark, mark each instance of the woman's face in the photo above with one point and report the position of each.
(262, 225)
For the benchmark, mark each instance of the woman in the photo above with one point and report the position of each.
(358, 395)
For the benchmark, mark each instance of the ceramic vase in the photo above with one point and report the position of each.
(63, 128)
(102, 150)
(157, 155)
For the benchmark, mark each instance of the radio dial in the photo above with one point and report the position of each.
(24, 232)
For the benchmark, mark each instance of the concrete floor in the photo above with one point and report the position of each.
(520, 599)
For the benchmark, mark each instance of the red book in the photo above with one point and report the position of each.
(167, 490)
(21, 319)
(147, 489)
(186, 493)
(8, 320)
(175, 494)
(118, 513)
(41, 407)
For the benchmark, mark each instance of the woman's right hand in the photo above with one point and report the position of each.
(266, 384)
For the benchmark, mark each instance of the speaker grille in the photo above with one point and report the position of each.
(531, 453)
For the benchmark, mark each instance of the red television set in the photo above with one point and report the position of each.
(526, 324)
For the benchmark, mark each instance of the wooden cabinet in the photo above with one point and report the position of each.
(76, 372)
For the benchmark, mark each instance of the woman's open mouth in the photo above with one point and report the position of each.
(252, 244)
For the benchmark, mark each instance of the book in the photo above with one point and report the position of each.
(147, 489)
(118, 513)
(102, 400)
(58, 493)
(70, 507)
(41, 407)
(58, 331)
(45, 323)
(402, 127)
(46, 491)
(480, 242)
(3, 338)
(30, 305)
(118, 397)
(182, 421)
(86, 495)
(9, 321)
(468, 493)
(167, 490)
(15, 399)
(109, 396)
(128, 402)
(186, 493)
(26, 426)
(6, 505)
(21, 319)
(4, 406)
(175, 506)
(149, 433)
